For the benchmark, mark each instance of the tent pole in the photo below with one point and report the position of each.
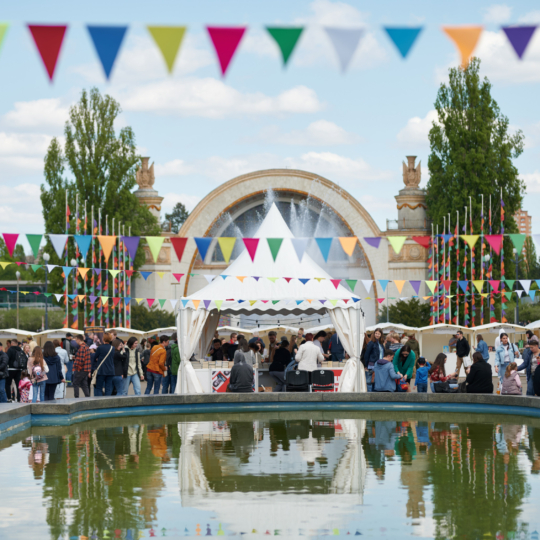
(182, 360)
(358, 374)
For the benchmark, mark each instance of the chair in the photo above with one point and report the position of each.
(297, 381)
(322, 380)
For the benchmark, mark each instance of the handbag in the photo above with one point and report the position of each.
(467, 361)
(94, 375)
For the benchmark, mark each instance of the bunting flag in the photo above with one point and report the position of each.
(168, 39)
(403, 38)
(107, 243)
(174, 302)
(67, 270)
(424, 241)
(226, 245)
(35, 267)
(397, 242)
(48, 40)
(479, 284)
(464, 285)
(383, 283)
(532, 294)
(380, 300)
(83, 272)
(196, 303)
(495, 284)
(431, 285)
(526, 284)
(495, 241)
(114, 273)
(10, 241)
(303, 281)
(465, 39)
(399, 284)
(510, 283)
(210, 277)
(447, 284)
(471, 239)
(203, 244)
(155, 243)
(104, 300)
(348, 243)
(519, 37)
(251, 246)
(218, 304)
(300, 246)
(3, 31)
(373, 241)
(518, 240)
(58, 297)
(351, 283)
(274, 244)
(144, 274)
(161, 302)
(345, 42)
(184, 302)
(107, 42)
(83, 241)
(336, 282)
(225, 41)
(324, 245)
(241, 278)
(286, 39)
(416, 286)
(35, 242)
(131, 243)
(178, 277)
(367, 283)
(59, 243)
(150, 302)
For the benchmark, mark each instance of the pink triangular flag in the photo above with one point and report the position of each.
(226, 41)
(495, 241)
(494, 283)
(178, 277)
(251, 245)
(150, 301)
(335, 282)
(11, 241)
(380, 300)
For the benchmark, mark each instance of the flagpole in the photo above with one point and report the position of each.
(490, 269)
(128, 307)
(124, 273)
(458, 273)
(112, 308)
(85, 286)
(106, 309)
(473, 312)
(432, 265)
(75, 324)
(92, 273)
(100, 277)
(442, 287)
(466, 315)
(448, 275)
(503, 298)
(66, 322)
(482, 258)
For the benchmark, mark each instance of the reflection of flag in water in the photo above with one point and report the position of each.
(503, 296)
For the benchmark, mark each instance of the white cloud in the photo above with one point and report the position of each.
(533, 17)
(497, 13)
(212, 98)
(20, 207)
(171, 199)
(532, 181)
(319, 133)
(377, 203)
(23, 144)
(41, 114)
(415, 133)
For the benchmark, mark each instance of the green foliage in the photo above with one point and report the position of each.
(9, 273)
(31, 319)
(149, 319)
(177, 217)
(409, 312)
(102, 166)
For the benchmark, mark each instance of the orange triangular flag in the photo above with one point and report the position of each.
(241, 278)
(107, 243)
(196, 303)
(348, 243)
(399, 284)
(465, 38)
(81, 297)
(83, 272)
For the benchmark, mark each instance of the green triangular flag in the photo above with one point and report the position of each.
(272, 279)
(351, 283)
(114, 273)
(274, 244)
(397, 242)
(168, 39)
(510, 283)
(104, 299)
(275, 302)
(192, 275)
(518, 240)
(33, 239)
(286, 38)
(218, 304)
(162, 302)
(35, 267)
(508, 295)
(333, 302)
(3, 32)
(155, 243)
(47, 294)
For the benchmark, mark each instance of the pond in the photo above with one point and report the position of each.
(376, 475)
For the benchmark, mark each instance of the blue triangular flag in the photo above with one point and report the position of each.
(240, 301)
(463, 285)
(224, 276)
(356, 299)
(202, 245)
(83, 241)
(446, 237)
(67, 270)
(324, 245)
(298, 302)
(144, 274)
(300, 245)
(184, 302)
(303, 280)
(107, 41)
(72, 296)
(532, 293)
(127, 299)
(383, 283)
(403, 37)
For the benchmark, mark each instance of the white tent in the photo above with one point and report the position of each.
(391, 327)
(262, 290)
(496, 327)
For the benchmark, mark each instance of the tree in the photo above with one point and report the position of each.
(149, 319)
(410, 313)
(177, 217)
(530, 261)
(102, 166)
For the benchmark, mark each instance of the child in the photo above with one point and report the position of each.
(24, 387)
(511, 384)
(421, 379)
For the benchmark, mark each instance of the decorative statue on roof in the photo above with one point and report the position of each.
(412, 175)
(145, 175)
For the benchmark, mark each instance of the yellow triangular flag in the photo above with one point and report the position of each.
(227, 245)
(218, 304)
(161, 274)
(431, 285)
(4, 264)
(319, 279)
(333, 302)
(465, 38)
(348, 243)
(139, 300)
(479, 284)
(23, 292)
(484, 294)
(470, 239)
(427, 297)
(397, 242)
(251, 302)
(104, 299)
(399, 284)
(168, 39)
(196, 303)
(241, 278)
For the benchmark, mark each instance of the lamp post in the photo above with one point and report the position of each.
(46, 258)
(516, 254)
(18, 274)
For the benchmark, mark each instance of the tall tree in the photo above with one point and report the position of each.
(177, 217)
(410, 313)
(101, 164)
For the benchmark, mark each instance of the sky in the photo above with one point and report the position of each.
(201, 129)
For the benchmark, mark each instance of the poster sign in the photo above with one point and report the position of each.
(220, 380)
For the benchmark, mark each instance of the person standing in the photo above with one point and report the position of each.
(4, 361)
(38, 374)
(103, 366)
(385, 375)
(482, 347)
(175, 364)
(530, 358)
(120, 365)
(166, 382)
(272, 344)
(133, 373)
(282, 358)
(17, 362)
(336, 349)
(504, 355)
(414, 345)
(242, 375)
(217, 351)
(463, 349)
(308, 355)
(55, 376)
(374, 352)
(32, 344)
(156, 366)
(82, 368)
(422, 374)
(256, 339)
(318, 341)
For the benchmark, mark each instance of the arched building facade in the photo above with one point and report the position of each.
(312, 206)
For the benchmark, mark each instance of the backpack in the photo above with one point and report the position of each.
(20, 360)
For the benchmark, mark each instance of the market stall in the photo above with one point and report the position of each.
(392, 327)
(59, 333)
(13, 333)
(126, 333)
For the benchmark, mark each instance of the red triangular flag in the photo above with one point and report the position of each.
(422, 240)
(179, 244)
(335, 282)
(178, 277)
(11, 241)
(287, 279)
(447, 283)
(226, 41)
(115, 301)
(129, 273)
(495, 284)
(346, 300)
(495, 241)
(251, 245)
(48, 40)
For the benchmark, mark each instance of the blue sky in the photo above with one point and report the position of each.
(202, 130)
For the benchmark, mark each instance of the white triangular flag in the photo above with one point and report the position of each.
(345, 42)
(300, 245)
(526, 284)
(519, 293)
(59, 243)
(367, 283)
(173, 303)
(51, 267)
(210, 278)
(58, 296)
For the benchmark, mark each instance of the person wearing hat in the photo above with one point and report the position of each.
(530, 361)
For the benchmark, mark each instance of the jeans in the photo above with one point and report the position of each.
(369, 384)
(38, 387)
(104, 380)
(154, 379)
(69, 380)
(280, 379)
(166, 383)
(118, 382)
(81, 380)
(421, 387)
(136, 385)
(3, 395)
(174, 380)
(50, 390)
(530, 387)
(437, 382)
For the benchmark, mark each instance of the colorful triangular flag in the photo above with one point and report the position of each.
(107, 41)
(345, 42)
(286, 38)
(168, 39)
(403, 37)
(225, 41)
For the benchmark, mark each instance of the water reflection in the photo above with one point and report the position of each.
(292, 476)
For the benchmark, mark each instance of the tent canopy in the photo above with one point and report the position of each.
(496, 327)
(442, 328)
(391, 327)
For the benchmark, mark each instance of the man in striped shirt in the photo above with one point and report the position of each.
(82, 368)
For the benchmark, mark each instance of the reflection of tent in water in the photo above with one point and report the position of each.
(248, 485)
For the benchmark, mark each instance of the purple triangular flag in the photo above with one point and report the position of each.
(519, 37)
(206, 303)
(131, 243)
(97, 270)
(373, 242)
(256, 278)
(416, 286)
(322, 301)
(93, 299)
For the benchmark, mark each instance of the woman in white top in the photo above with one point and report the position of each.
(308, 355)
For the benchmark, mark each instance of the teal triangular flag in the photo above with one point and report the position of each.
(403, 37)
(383, 283)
